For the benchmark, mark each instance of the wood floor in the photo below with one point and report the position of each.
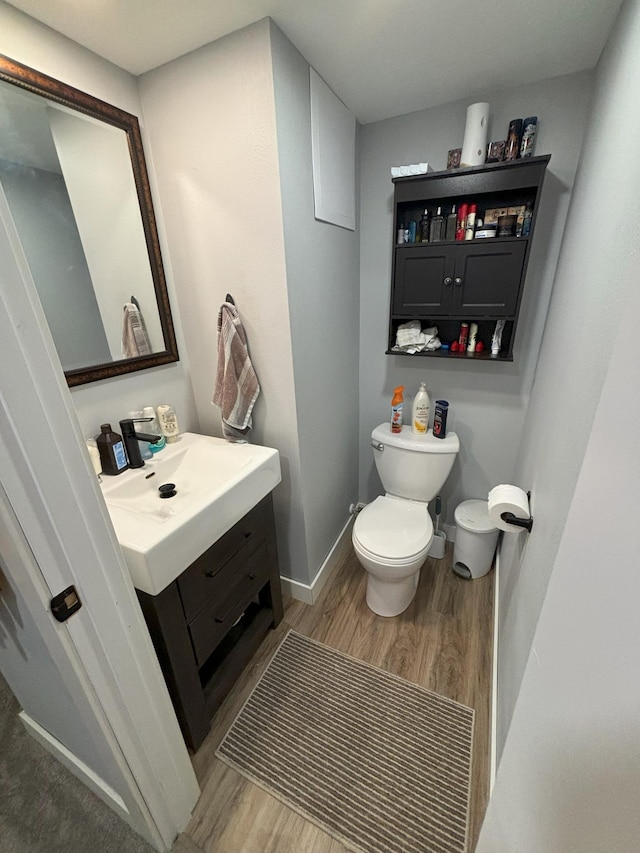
(442, 641)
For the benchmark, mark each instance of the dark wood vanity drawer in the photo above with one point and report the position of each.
(241, 584)
(205, 578)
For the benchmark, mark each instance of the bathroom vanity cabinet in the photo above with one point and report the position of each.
(447, 282)
(206, 625)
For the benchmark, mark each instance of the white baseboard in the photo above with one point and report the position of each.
(79, 769)
(309, 593)
(494, 676)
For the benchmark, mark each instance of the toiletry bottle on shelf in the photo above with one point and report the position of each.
(451, 224)
(112, 453)
(423, 227)
(526, 222)
(512, 148)
(420, 412)
(152, 427)
(473, 334)
(168, 422)
(413, 230)
(397, 405)
(463, 336)
(435, 232)
(529, 128)
(400, 237)
(463, 211)
(471, 222)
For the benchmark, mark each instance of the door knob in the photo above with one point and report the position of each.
(447, 281)
(458, 281)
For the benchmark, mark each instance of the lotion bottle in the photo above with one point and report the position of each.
(420, 415)
(168, 422)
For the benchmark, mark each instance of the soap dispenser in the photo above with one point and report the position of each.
(112, 453)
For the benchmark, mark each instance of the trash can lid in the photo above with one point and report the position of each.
(474, 516)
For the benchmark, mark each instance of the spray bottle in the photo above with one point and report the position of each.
(397, 405)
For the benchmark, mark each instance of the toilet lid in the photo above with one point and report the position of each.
(394, 529)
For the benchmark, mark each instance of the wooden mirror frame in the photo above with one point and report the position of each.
(40, 84)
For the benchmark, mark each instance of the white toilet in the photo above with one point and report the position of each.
(391, 536)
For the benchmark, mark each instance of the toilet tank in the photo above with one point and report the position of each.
(413, 466)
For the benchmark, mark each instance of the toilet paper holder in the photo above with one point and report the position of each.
(510, 518)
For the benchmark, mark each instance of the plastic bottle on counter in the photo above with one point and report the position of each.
(397, 405)
(420, 413)
(152, 427)
(113, 457)
(168, 422)
(94, 455)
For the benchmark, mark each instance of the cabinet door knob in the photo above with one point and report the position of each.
(252, 577)
(447, 281)
(458, 281)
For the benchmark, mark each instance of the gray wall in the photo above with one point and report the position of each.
(570, 611)
(322, 263)
(589, 299)
(42, 213)
(488, 401)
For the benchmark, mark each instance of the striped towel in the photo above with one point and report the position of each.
(237, 387)
(135, 340)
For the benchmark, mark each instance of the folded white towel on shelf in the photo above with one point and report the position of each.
(236, 387)
(410, 337)
(135, 339)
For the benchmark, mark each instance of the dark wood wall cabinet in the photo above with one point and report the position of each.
(207, 624)
(445, 283)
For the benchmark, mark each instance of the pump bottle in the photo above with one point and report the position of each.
(420, 414)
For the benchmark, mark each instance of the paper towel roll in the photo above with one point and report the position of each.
(474, 146)
(505, 498)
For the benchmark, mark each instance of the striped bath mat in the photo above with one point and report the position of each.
(379, 763)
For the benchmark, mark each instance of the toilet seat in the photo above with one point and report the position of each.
(393, 529)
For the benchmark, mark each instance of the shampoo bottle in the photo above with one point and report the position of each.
(113, 457)
(397, 405)
(420, 417)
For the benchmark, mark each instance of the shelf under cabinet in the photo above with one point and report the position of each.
(467, 356)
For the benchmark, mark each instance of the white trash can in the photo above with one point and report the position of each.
(476, 539)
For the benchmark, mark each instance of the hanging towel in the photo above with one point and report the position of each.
(135, 340)
(237, 387)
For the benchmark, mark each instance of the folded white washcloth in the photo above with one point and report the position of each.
(411, 338)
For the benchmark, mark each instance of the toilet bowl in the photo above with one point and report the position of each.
(391, 538)
(391, 535)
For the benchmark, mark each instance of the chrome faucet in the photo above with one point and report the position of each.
(131, 438)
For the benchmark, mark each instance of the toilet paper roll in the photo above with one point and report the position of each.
(474, 146)
(506, 498)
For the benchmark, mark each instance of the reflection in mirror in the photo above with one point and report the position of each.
(74, 183)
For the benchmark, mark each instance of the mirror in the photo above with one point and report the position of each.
(74, 179)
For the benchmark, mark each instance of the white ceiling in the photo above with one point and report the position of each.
(381, 57)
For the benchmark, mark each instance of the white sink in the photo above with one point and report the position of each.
(216, 484)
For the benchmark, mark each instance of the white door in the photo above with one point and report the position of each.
(55, 532)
